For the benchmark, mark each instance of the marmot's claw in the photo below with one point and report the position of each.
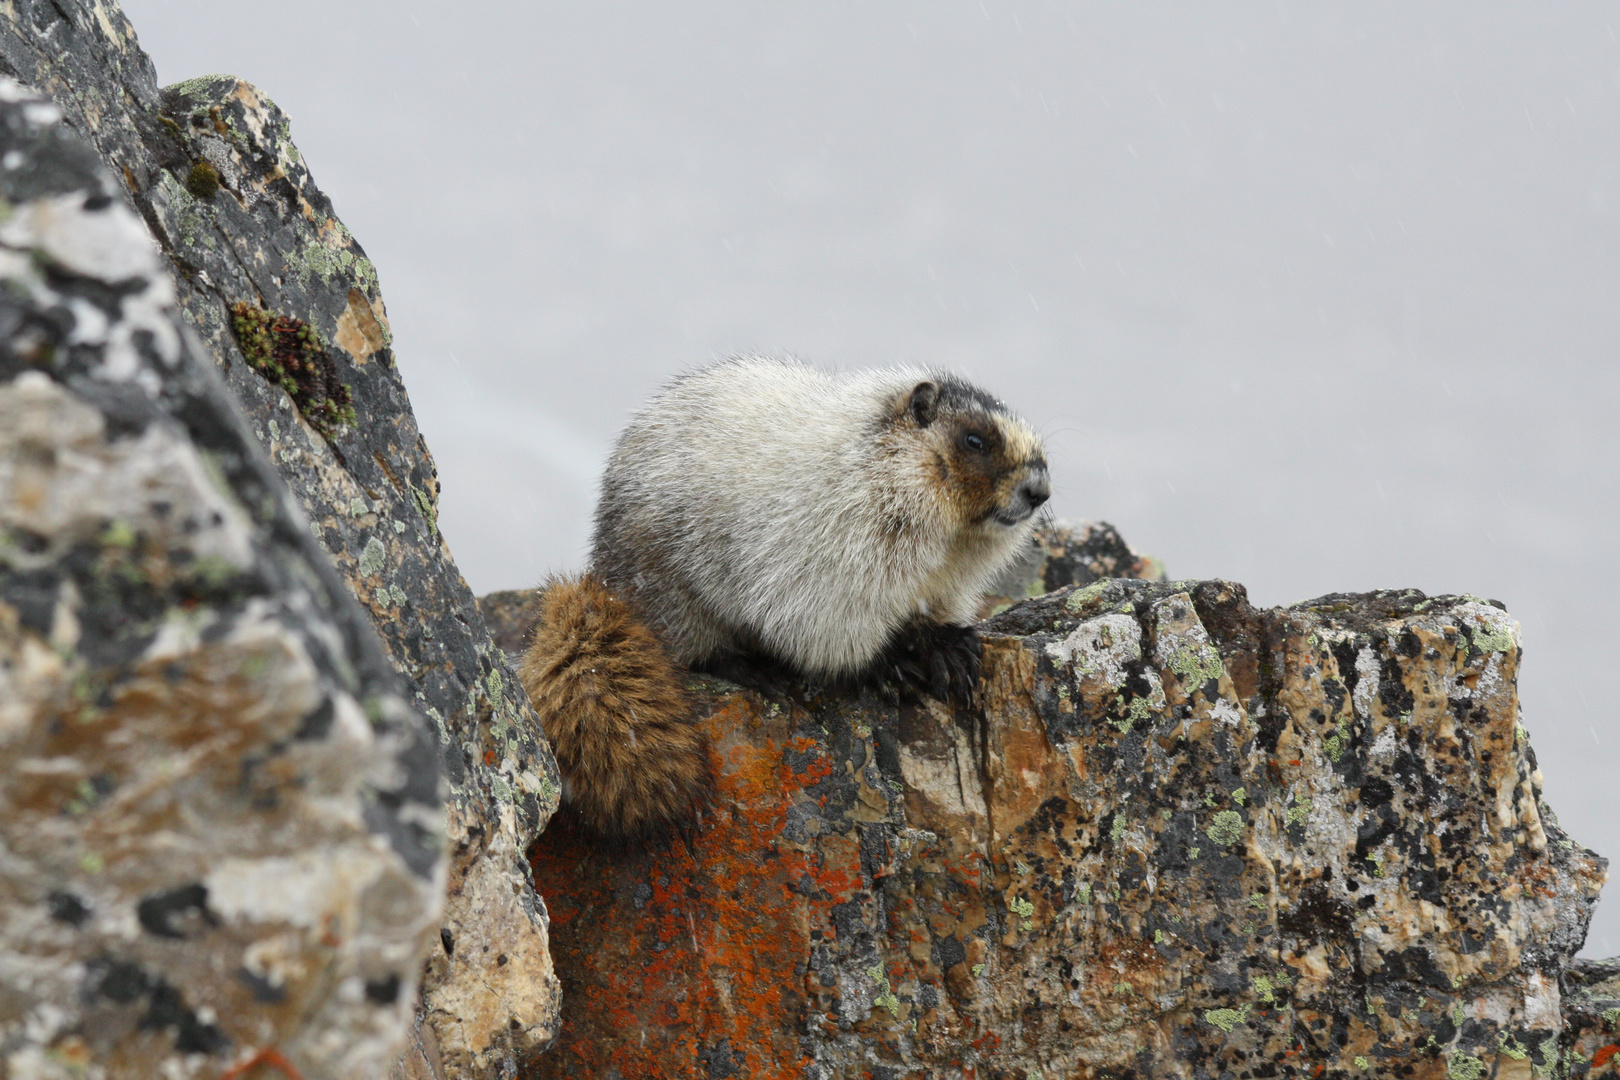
(939, 660)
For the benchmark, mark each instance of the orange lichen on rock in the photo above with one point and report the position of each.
(665, 959)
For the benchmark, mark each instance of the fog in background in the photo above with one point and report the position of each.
(1312, 297)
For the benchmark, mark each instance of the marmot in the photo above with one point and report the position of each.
(844, 526)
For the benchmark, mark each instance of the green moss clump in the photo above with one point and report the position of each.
(203, 181)
(291, 354)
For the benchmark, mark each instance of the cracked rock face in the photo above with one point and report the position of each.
(1185, 838)
(221, 832)
(253, 228)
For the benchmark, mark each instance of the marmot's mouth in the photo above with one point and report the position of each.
(1012, 515)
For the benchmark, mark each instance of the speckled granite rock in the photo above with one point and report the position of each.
(210, 165)
(221, 832)
(1186, 838)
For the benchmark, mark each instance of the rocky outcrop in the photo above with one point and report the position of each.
(221, 832)
(289, 307)
(1184, 838)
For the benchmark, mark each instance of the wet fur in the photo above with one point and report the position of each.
(611, 701)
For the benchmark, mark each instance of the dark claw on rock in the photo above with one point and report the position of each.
(934, 659)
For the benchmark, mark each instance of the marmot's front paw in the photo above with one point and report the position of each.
(936, 659)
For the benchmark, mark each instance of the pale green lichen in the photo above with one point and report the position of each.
(1195, 663)
(1137, 711)
(430, 512)
(1549, 1057)
(1458, 1015)
(1363, 1063)
(438, 723)
(1297, 813)
(1612, 1016)
(199, 85)
(1377, 859)
(1083, 893)
(1192, 852)
(372, 558)
(1509, 1046)
(1024, 910)
(1239, 795)
(1227, 1019)
(1226, 828)
(118, 534)
(1117, 829)
(1491, 638)
(1158, 937)
(885, 996)
(319, 261)
(1464, 1067)
(978, 969)
(1264, 989)
(1258, 901)
(1081, 597)
(1335, 743)
(214, 570)
(1123, 989)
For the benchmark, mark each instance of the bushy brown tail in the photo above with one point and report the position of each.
(612, 704)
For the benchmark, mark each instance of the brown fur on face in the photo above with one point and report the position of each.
(609, 700)
(975, 480)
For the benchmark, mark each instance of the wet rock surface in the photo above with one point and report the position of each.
(1185, 838)
(251, 241)
(221, 826)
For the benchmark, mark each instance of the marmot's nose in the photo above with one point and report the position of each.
(1036, 490)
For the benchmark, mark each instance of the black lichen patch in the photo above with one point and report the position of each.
(203, 181)
(177, 913)
(290, 353)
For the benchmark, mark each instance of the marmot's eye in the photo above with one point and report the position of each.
(974, 441)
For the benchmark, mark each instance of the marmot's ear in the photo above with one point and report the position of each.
(924, 398)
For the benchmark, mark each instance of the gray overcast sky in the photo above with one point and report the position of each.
(1312, 297)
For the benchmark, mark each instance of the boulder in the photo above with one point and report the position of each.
(1183, 838)
(287, 304)
(221, 823)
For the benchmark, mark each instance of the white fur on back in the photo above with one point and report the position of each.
(753, 503)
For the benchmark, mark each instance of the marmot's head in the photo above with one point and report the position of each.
(989, 466)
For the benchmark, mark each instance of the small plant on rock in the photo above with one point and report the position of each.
(290, 353)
